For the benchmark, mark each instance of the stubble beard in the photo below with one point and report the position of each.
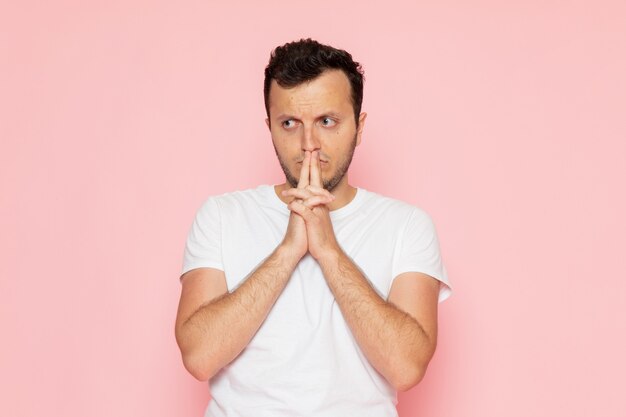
(328, 184)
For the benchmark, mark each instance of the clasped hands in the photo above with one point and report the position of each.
(310, 227)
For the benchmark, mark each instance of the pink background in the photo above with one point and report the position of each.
(503, 120)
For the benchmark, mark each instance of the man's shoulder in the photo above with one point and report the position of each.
(392, 205)
(241, 194)
(229, 199)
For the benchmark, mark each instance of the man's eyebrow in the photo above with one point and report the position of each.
(286, 116)
(333, 114)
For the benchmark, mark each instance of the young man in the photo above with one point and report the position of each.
(312, 297)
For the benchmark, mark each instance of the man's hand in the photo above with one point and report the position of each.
(296, 235)
(310, 205)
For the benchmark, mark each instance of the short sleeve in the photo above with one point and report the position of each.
(203, 247)
(419, 251)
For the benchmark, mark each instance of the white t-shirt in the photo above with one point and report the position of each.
(304, 360)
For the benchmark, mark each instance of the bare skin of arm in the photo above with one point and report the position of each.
(396, 344)
(214, 326)
(398, 336)
(219, 329)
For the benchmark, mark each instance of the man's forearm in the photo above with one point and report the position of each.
(217, 332)
(393, 341)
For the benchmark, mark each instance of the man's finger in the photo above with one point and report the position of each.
(301, 193)
(318, 190)
(308, 191)
(316, 201)
(304, 172)
(315, 169)
(298, 207)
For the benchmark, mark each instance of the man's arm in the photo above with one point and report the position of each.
(394, 341)
(212, 331)
(389, 333)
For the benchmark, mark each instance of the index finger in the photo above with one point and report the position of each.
(316, 177)
(304, 172)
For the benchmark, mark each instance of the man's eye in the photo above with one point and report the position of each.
(327, 121)
(288, 123)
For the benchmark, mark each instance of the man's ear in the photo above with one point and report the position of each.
(267, 122)
(359, 129)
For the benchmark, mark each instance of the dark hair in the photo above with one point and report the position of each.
(297, 62)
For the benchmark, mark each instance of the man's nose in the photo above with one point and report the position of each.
(310, 140)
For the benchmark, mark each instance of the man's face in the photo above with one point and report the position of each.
(315, 115)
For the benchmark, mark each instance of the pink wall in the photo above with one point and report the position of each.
(505, 121)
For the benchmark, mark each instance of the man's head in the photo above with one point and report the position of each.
(297, 62)
(313, 96)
